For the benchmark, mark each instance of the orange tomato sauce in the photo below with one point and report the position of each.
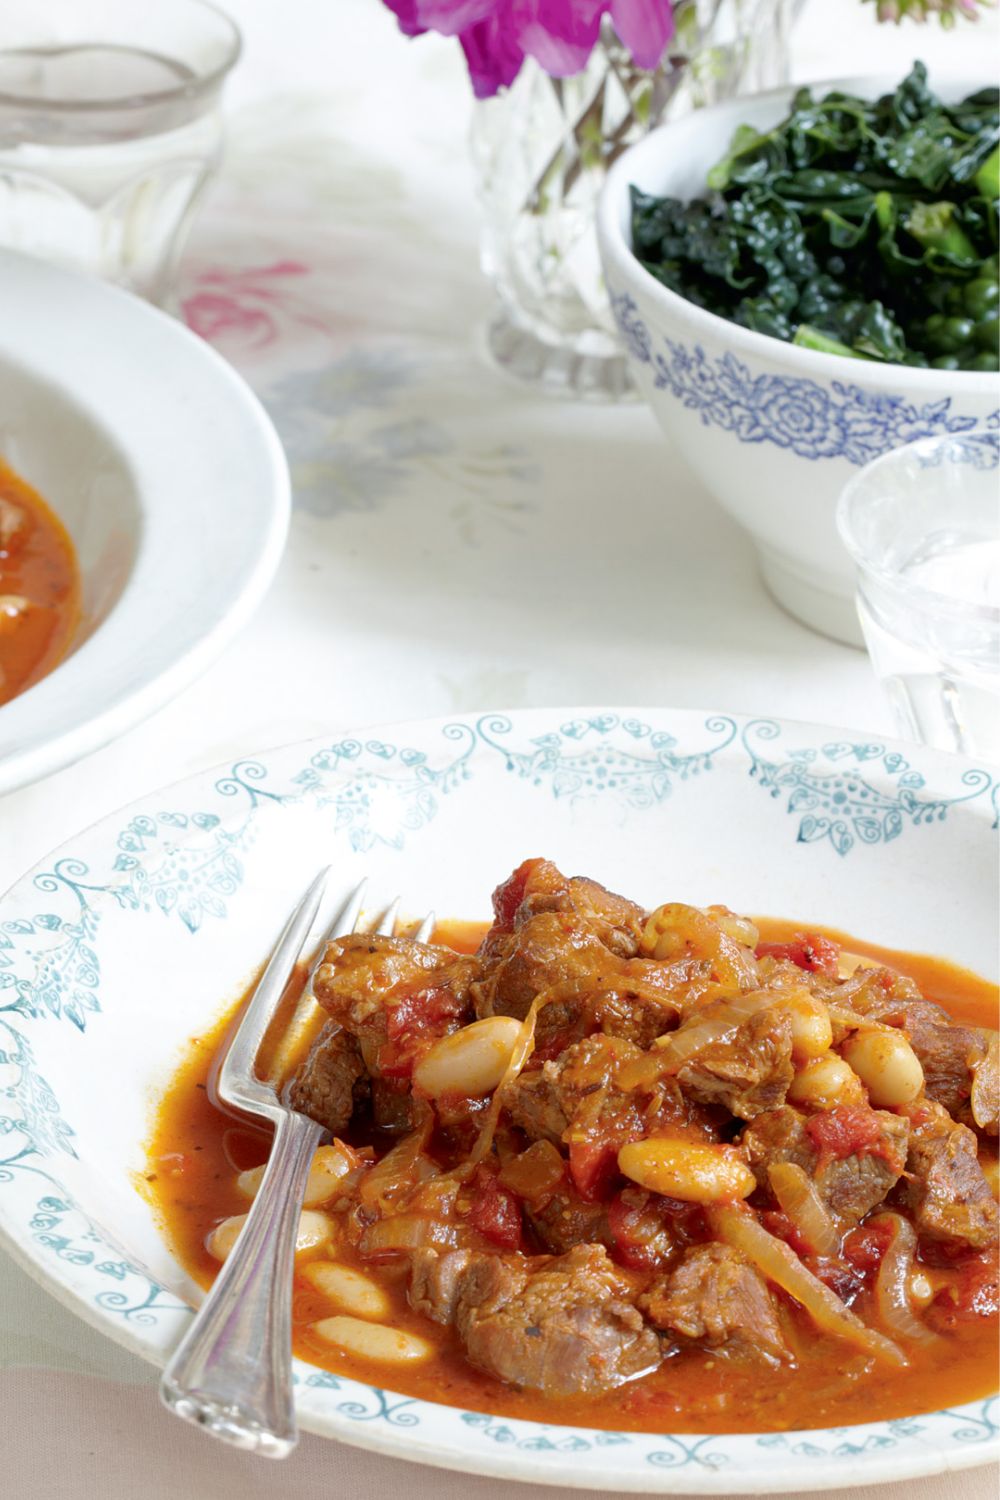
(39, 586)
(195, 1152)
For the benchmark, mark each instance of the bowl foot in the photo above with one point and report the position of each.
(829, 611)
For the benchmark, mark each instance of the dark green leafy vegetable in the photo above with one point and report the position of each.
(859, 228)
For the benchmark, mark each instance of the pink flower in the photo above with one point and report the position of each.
(497, 35)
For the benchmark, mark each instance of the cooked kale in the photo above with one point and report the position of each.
(859, 228)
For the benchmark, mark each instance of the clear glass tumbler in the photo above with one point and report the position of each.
(923, 525)
(109, 130)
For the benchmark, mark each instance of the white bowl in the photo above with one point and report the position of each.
(772, 430)
(171, 481)
(120, 946)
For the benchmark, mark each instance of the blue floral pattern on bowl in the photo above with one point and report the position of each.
(181, 866)
(814, 421)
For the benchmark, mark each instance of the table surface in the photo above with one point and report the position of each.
(447, 525)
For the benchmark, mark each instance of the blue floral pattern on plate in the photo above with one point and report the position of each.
(181, 865)
(813, 420)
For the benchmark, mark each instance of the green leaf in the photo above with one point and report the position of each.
(853, 222)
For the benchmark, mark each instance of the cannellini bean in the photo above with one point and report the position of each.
(248, 1182)
(220, 1240)
(315, 1229)
(826, 1082)
(886, 1064)
(812, 1033)
(376, 1341)
(329, 1165)
(471, 1061)
(688, 1170)
(673, 928)
(351, 1290)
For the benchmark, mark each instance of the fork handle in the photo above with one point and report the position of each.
(231, 1373)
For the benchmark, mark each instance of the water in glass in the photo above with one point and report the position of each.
(923, 524)
(105, 145)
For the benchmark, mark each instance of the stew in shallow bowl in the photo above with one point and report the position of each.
(140, 521)
(123, 953)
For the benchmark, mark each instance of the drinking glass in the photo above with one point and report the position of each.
(109, 130)
(923, 525)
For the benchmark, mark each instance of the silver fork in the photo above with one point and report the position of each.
(231, 1374)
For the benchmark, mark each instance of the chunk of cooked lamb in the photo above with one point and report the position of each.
(565, 1326)
(749, 1070)
(716, 1298)
(854, 1155)
(332, 1081)
(539, 886)
(547, 951)
(587, 986)
(542, 1102)
(946, 1191)
(364, 978)
(566, 1219)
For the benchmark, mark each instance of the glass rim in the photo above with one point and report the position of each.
(125, 102)
(890, 578)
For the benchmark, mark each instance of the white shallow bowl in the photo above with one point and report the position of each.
(772, 430)
(171, 481)
(123, 943)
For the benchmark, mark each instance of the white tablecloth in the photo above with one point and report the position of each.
(458, 544)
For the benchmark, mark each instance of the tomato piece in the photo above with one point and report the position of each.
(842, 1279)
(593, 1166)
(424, 1010)
(412, 1024)
(508, 896)
(781, 1226)
(495, 1212)
(643, 1228)
(849, 1130)
(810, 950)
(865, 1246)
(975, 1293)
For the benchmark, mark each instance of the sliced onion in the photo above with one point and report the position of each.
(672, 1051)
(398, 1170)
(843, 1021)
(740, 929)
(797, 1197)
(523, 1048)
(406, 1232)
(780, 1264)
(892, 1284)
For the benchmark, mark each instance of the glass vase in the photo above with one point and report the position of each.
(542, 149)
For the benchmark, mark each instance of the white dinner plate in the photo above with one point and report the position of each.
(171, 481)
(130, 938)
